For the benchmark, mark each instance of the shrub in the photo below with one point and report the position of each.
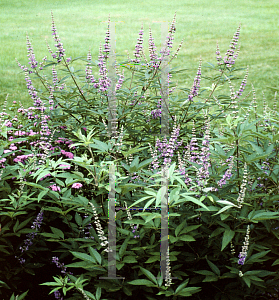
(222, 188)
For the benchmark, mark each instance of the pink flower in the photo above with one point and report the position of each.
(76, 185)
(8, 124)
(65, 166)
(55, 187)
(84, 128)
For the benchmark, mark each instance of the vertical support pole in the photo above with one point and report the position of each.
(112, 121)
(112, 113)
(164, 132)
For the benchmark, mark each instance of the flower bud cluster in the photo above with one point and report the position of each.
(203, 172)
(134, 228)
(242, 255)
(100, 229)
(228, 173)
(107, 43)
(168, 273)
(88, 71)
(243, 187)
(243, 84)
(167, 148)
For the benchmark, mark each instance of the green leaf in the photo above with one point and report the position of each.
(22, 296)
(191, 199)
(21, 225)
(179, 228)
(256, 257)
(247, 280)
(140, 200)
(276, 262)
(130, 259)
(148, 203)
(100, 146)
(84, 257)
(162, 192)
(57, 232)
(123, 247)
(98, 293)
(42, 174)
(213, 267)
(142, 282)
(227, 237)
(149, 275)
(189, 291)
(41, 195)
(181, 286)
(190, 228)
(205, 272)
(211, 278)
(152, 259)
(264, 216)
(95, 254)
(186, 238)
(78, 219)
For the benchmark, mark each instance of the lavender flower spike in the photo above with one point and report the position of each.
(242, 255)
(196, 85)
(169, 39)
(30, 236)
(138, 47)
(60, 50)
(152, 50)
(88, 71)
(218, 57)
(107, 44)
(31, 55)
(229, 58)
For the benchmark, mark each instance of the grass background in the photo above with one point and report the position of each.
(82, 24)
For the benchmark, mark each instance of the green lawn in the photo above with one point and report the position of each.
(82, 25)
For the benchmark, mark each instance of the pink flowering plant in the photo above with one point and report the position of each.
(222, 169)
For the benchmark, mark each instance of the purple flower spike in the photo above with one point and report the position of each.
(104, 81)
(30, 236)
(152, 50)
(196, 85)
(169, 39)
(31, 55)
(60, 50)
(138, 47)
(107, 44)
(230, 57)
(88, 71)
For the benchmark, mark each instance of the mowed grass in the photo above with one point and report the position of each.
(82, 25)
